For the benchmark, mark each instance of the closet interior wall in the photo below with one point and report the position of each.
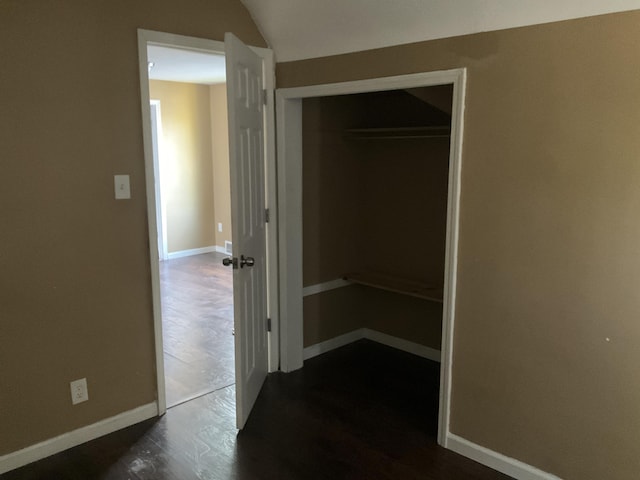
(373, 205)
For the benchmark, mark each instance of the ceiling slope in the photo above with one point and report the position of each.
(298, 29)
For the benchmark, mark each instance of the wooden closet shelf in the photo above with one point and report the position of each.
(397, 285)
(397, 133)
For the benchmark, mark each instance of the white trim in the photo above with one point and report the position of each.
(156, 137)
(398, 82)
(289, 130)
(507, 465)
(325, 286)
(193, 251)
(375, 336)
(289, 143)
(333, 343)
(49, 447)
(402, 344)
(220, 249)
(451, 253)
(144, 37)
(147, 37)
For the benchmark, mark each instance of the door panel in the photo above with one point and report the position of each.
(246, 150)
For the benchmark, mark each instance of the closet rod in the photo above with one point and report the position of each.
(395, 133)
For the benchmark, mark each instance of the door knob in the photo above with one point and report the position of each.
(230, 262)
(246, 261)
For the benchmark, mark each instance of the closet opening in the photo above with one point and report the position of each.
(374, 213)
(377, 172)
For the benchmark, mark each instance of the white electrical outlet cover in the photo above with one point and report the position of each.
(79, 391)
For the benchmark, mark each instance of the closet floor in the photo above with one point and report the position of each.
(197, 326)
(364, 411)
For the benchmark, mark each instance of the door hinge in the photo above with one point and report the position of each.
(267, 215)
(264, 97)
(268, 324)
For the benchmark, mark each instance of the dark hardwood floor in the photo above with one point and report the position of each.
(364, 411)
(197, 326)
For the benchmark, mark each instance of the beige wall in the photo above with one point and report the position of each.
(331, 197)
(546, 334)
(75, 290)
(220, 151)
(186, 164)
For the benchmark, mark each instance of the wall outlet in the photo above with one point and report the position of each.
(219, 226)
(79, 391)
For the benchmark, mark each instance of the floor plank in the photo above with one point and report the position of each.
(364, 411)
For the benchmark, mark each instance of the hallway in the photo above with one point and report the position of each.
(197, 326)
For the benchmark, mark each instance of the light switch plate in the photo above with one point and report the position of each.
(122, 188)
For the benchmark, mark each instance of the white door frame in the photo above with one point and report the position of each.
(161, 208)
(149, 37)
(289, 127)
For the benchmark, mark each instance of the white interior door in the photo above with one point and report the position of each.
(246, 149)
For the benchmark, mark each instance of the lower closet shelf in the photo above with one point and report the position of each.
(397, 285)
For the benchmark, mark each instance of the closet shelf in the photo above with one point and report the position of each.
(397, 133)
(397, 285)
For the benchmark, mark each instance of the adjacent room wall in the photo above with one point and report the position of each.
(546, 329)
(220, 153)
(75, 288)
(186, 164)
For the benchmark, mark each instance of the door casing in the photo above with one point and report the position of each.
(150, 37)
(161, 211)
(289, 128)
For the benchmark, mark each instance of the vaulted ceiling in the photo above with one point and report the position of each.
(298, 29)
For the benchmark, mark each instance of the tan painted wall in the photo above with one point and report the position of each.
(546, 335)
(220, 151)
(331, 197)
(186, 163)
(75, 290)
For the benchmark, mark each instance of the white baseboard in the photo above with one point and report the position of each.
(375, 336)
(325, 286)
(193, 251)
(332, 344)
(507, 465)
(402, 344)
(41, 450)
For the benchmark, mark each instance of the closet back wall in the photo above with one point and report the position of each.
(404, 231)
(332, 199)
(370, 205)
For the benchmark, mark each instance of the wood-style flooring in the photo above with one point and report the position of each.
(197, 326)
(364, 411)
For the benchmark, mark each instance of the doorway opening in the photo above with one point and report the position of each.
(166, 247)
(395, 171)
(192, 186)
